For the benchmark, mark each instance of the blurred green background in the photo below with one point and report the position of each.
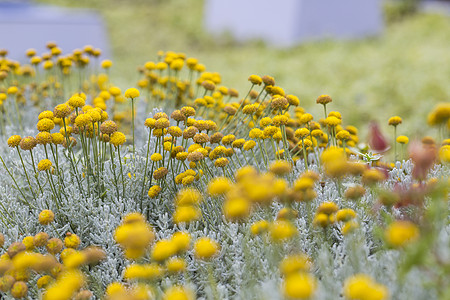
(404, 72)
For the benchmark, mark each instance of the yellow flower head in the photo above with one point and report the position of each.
(117, 138)
(44, 165)
(72, 240)
(14, 141)
(295, 263)
(46, 217)
(401, 233)
(219, 186)
(163, 249)
(401, 139)
(131, 93)
(282, 230)
(205, 248)
(178, 293)
(363, 287)
(394, 121)
(299, 286)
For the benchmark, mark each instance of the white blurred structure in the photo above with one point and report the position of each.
(289, 22)
(25, 25)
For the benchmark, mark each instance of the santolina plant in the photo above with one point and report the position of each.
(181, 189)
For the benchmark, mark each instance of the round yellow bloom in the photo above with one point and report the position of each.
(188, 196)
(154, 191)
(394, 121)
(327, 208)
(236, 208)
(115, 289)
(76, 101)
(295, 263)
(402, 139)
(19, 289)
(363, 287)
(332, 121)
(44, 281)
(299, 286)
(14, 141)
(185, 214)
(282, 230)
(65, 286)
(72, 240)
(219, 186)
(345, 214)
(44, 165)
(46, 217)
(176, 265)
(255, 79)
(205, 248)
(162, 250)
(178, 293)
(401, 233)
(106, 64)
(259, 227)
(117, 138)
(132, 93)
(181, 240)
(61, 110)
(45, 124)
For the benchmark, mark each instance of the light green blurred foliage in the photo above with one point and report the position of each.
(403, 72)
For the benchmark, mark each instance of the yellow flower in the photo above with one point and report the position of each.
(44, 281)
(327, 208)
(259, 227)
(146, 271)
(394, 121)
(19, 289)
(28, 241)
(181, 240)
(178, 293)
(295, 263)
(282, 230)
(401, 233)
(299, 286)
(345, 214)
(117, 138)
(72, 240)
(76, 101)
(65, 286)
(44, 165)
(332, 121)
(219, 186)
(188, 196)
(185, 214)
(132, 93)
(323, 99)
(162, 250)
(176, 265)
(106, 64)
(349, 227)
(280, 167)
(154, 191)
(236, 208)
(205, 248)
(363, 287)
(46, 217)
(14, 141)
(45, 124)
(402, 139)
(115, 289)
(255, 79)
